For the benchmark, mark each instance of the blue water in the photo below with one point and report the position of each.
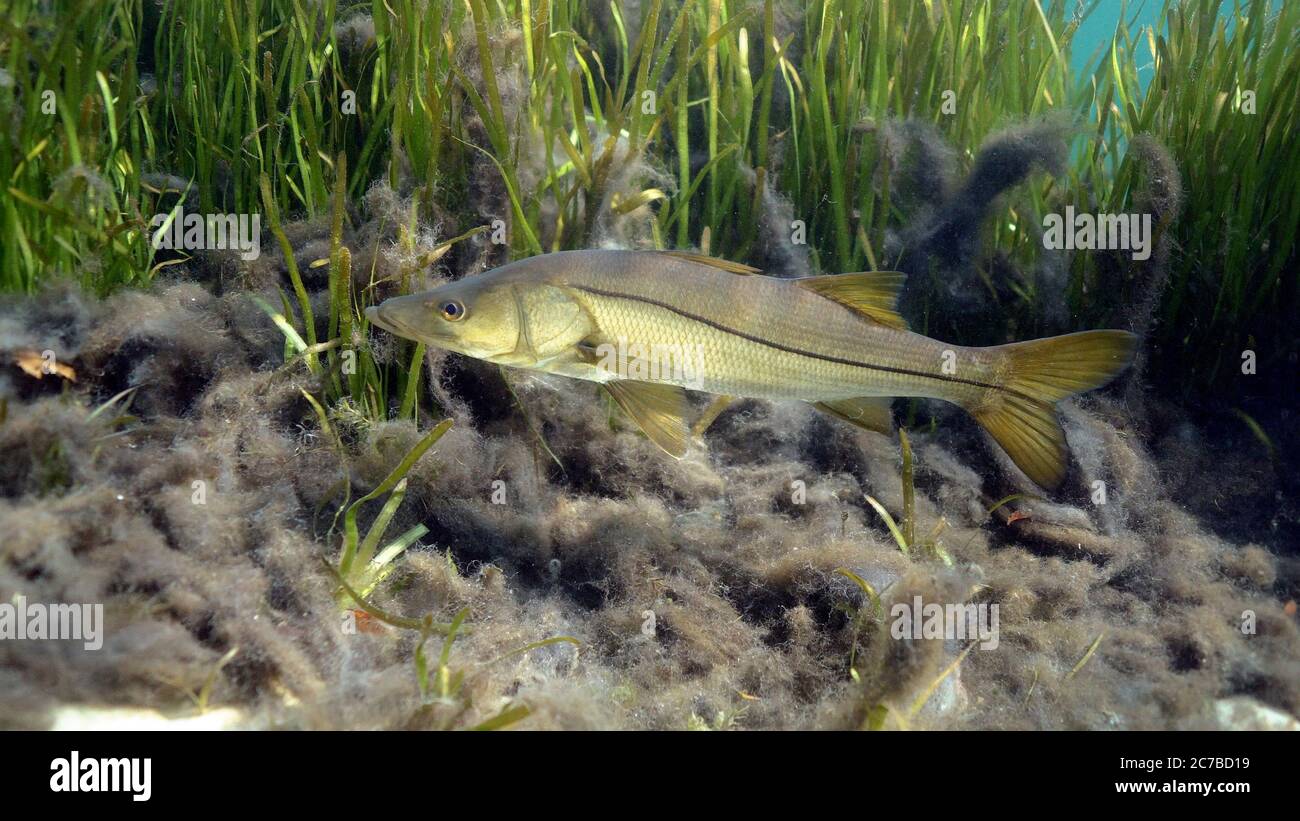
(1094, 35)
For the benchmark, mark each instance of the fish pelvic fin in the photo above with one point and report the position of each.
(1021, 413)
(873, 294)
(658, 409)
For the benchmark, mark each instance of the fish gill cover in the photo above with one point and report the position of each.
(202, 435)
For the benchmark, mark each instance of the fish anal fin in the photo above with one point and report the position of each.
(867, 412)
(874, 294)
(659, 410)
(712, 262)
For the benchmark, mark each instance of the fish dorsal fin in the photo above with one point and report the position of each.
(660, 411)
(712, 262)
(867, 412)
(874, 294)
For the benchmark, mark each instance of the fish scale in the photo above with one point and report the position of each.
(736, 365)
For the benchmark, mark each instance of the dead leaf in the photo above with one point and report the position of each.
(37, 365)
(367, 623)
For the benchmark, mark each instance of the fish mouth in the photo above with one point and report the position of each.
(375, 317)
(378, 317)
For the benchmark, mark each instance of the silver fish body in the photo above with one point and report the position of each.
(633, 320)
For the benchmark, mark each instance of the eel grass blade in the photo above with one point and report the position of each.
(350, 534)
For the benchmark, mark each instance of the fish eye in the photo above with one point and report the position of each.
(453, 311)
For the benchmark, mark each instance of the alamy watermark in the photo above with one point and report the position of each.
(180, 231)
(1098, 232)
(951, 621)
(21, 620)
(674, 364)
(77, 774)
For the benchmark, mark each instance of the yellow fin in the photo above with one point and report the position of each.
(867, 412)
(874, 294)
(1031, 436)
(659, 410)
(712, 262)
(1021, 415)
(1056, 367)
(711, 413)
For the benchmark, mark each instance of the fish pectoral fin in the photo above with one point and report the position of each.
(659, 410)
(588, 351)
(712, 262)
(867, 412)
(874, 294)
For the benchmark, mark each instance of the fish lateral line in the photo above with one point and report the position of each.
(797, 351)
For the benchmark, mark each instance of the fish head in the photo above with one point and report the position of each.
(472, 316)
(494, 318)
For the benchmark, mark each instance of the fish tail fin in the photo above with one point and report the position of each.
(1021, 413)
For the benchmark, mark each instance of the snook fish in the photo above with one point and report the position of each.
(835, 341)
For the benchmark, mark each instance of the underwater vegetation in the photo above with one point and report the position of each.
(858, 121)
(296, 519)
